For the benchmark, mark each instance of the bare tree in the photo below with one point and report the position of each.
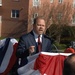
(61, 16)
(56, 16)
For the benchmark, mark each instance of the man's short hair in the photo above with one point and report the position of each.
(35, 19)
(69, 65)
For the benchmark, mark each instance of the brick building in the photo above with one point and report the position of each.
(13, 17)
(16, 16)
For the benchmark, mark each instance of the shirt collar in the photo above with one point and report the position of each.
(35, 35)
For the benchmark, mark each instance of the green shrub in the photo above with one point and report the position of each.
(61, 46)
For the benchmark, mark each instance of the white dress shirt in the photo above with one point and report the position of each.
(36, 37)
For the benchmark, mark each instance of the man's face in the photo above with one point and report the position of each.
(39, 28)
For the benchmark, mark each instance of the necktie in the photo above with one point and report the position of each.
(39, 44)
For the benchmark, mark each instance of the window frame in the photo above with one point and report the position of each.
(73, 3)
(15, 13)
(73, 19)
(60, 1)
(33, 17)
(0, 2)
(51, 1)
(36, 3)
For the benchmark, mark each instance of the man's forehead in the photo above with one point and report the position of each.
(40, 20)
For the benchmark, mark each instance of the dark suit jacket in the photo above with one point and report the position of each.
(28, 40)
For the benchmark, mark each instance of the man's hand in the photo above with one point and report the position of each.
(31, 49)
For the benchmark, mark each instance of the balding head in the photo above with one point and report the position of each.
(37, 18)
(39, 25)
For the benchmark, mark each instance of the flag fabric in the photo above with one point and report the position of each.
(7, 54)
(28, 69)
(50, 63)
(3, 49)
(44, 64)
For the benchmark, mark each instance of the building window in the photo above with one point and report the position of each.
(0, 2)
(73, 19)
(15, 14)
(36, 2)
(59, 16)
(34, 16)
(60, 1)
(74, 3)
(51, 1)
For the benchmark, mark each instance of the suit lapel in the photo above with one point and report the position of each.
(33, 40)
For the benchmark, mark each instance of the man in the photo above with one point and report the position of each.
(69, 65)
(28, 43)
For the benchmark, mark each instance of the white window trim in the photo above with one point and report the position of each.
(0, 2)
(61, 1)
(73, 22)
(36, 3)
(12, 16)
(74, 4)
(51, 1)
(34, 16)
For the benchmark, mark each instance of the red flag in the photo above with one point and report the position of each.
(9, 58)
(44, 64)
(50, 63)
